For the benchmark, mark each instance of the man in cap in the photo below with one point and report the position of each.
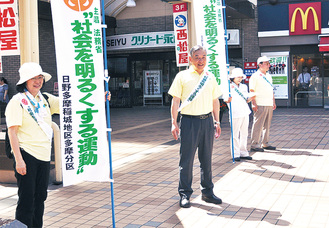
(261, 84)
(199, 92)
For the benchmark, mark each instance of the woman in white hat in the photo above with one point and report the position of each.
(28, 117)
(240, 113)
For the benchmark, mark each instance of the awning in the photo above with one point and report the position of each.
(324, 43)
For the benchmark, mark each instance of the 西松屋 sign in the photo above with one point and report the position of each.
(181, 34)
(9, 32)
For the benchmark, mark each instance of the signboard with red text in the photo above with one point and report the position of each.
(9, 33)
(181, 34)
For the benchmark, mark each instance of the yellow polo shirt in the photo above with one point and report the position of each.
(185, 83)
(30, 136)
(263, 89)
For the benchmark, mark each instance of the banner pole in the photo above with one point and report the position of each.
(106, 79)
(228, 72)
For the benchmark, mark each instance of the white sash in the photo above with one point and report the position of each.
(237, 90)
(25, 100)
(196, 91)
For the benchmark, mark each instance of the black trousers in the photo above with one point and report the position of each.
(32, 191)
(196, 134)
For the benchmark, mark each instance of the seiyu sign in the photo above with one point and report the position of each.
(141, 40)
(156, 40)
(233, 37)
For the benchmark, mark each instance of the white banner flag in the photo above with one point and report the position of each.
(209, 23)
(79, 55)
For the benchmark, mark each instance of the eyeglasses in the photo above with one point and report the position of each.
(37, 78)
(199, 59)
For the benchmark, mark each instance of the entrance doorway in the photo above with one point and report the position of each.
(308, 79)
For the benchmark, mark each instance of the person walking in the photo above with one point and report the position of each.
(4, 98)
(199, 93)
(28, 117)
(240, 114)
(4, 90)
(261, 83)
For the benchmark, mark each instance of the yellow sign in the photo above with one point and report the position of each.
(304, 18)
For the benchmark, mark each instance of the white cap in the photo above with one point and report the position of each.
(262, 59)
(237, 72)
(30, 70)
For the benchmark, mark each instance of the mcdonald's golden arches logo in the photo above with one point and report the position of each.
(305, 18)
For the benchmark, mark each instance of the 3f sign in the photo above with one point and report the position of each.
(180, 7)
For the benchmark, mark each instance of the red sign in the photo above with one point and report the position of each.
(305, 18)
(250, 65)
(9, 38)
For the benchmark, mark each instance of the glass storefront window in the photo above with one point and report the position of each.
(307, 80)
(326, 79)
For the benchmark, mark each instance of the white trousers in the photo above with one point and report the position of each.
(240, 136)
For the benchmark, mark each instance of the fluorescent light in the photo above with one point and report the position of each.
(131, 3)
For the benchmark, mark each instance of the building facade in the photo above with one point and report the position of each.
(296, 40)
(128, 66)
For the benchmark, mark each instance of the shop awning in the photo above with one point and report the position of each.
(324, 43)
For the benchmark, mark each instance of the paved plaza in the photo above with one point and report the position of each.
(288, 187)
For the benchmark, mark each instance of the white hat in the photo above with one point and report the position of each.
(262, 59)
(30, 70)
(237, 72)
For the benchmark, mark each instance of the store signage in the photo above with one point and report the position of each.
(233, 37)
(181, 34)
(141, 40)
(9, 36)
(305, 18)
(249, 69)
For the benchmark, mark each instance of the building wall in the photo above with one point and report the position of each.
(248, 36)
(145, 24)
(47, 52)
(146, 8)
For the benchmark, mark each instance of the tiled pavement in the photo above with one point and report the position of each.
(288, 187)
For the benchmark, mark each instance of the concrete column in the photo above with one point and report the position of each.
(29, 30)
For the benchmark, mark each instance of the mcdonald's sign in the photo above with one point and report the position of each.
(305, 18)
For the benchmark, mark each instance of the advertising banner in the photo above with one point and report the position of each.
(210, 34)
(9, 31)
(152, 86)
(181, 34)
(80, 69)
(279, 72)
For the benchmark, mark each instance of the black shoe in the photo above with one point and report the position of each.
(236, 159)
(184, 202)
(246, 158)
(257, 149)
(211, 199)
(269, 147)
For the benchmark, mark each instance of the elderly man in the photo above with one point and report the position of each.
(264, 104)
(199, 92)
